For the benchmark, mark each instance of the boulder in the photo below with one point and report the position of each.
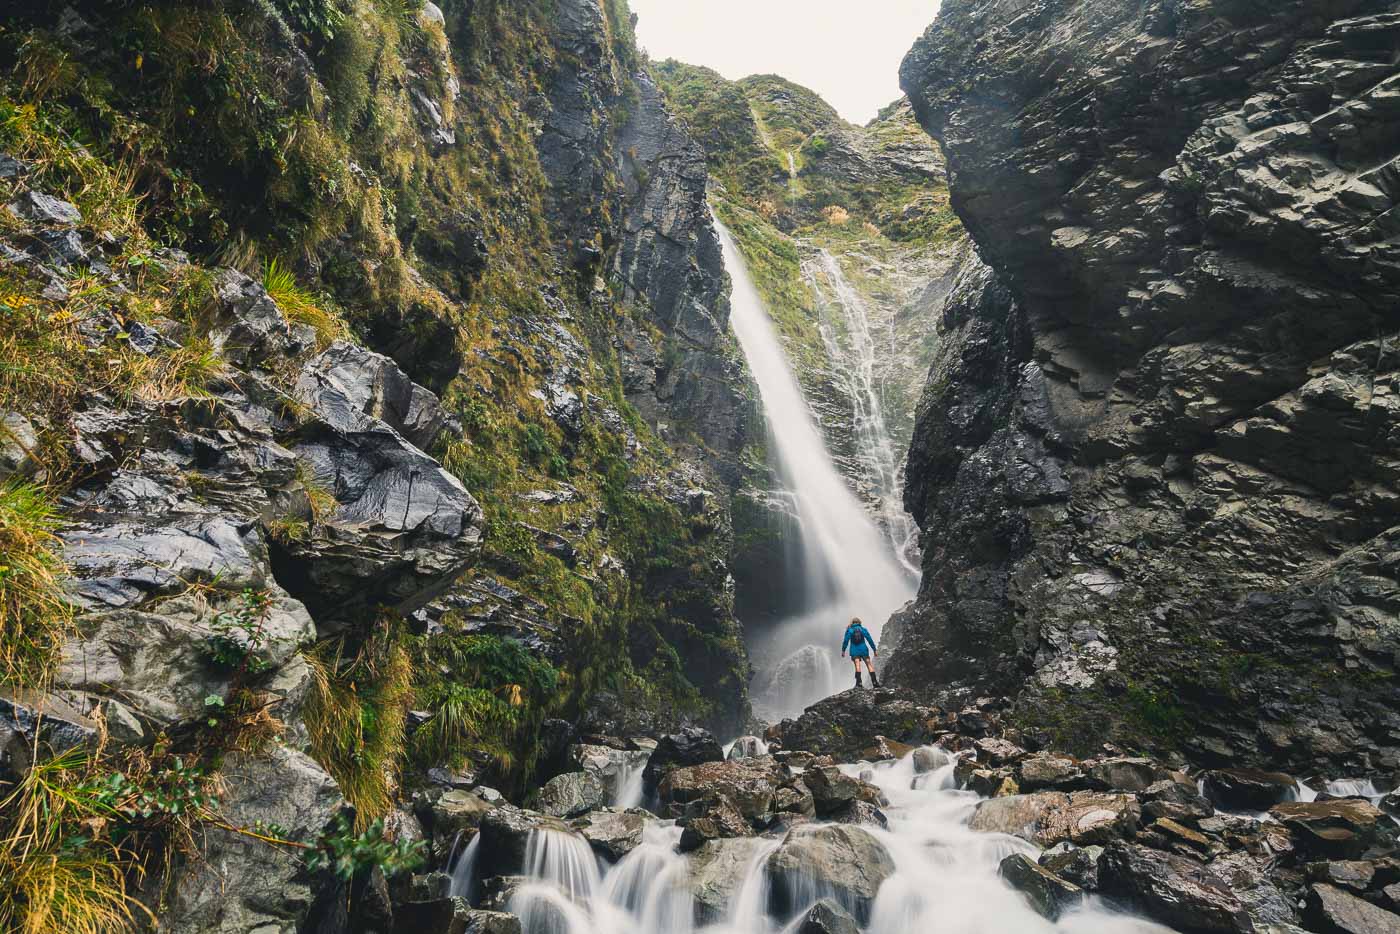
(930, 758)
(746, 747)
(718, 870)
(614, 767)
(1248, 789)
(570, 795)
(716, 819)
(838, 861)
(1330, 910)
(613, 834)
(1124, 773)
(796, 799)
(48, 721)
(1046, 892)
(1352, 874)
(244, 884)
(18, 440)
(749, 784)
(1047, 770)
(1050, 817)
(691, 746)
(992, 783)
(832, 789)
(346, 380)
(451, 916)
(997, 752)
(1177, 891)
(41, 208)
(845, 725)
(505, 836)
(859, 812)
(1173, 800)
(1255, 881)
(1076, 864)
(250, 331)
(1339, 829)
(828, 917)
(455, 811)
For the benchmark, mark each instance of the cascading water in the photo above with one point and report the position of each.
(879, 460)
(848, 566)
(945, 877)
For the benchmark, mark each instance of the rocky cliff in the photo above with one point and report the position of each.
(370, 425)
(1156, 458)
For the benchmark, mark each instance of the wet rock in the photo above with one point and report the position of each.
(347, 378)
(251, 886)
(1253, 880)
(833, 789)
(1123, 773)
(612, 834)
(885, 750)
(570, 795)
(455, 812)
(44, 209)
(795, 798)
(1249, 789)
(718, 869)
(1047, 893)
(1050, 817)
(929, 759)
(1174, 890)
(844, 725)
(992, 783)
(712, 819)
(1075, 864)
(828, 917)
(451, 916)
(613, 767)
(838, 861)
(1332, 911)
(746, 747)
(859, 812)
(748, 784)
(1047, 770)
(1337, 829)
(1355, 875)
(691, 746)
(505, 834)
(250, 330)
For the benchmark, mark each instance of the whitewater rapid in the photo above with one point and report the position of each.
(849, 567)
(945, 876)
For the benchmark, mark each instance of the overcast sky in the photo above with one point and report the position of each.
(846, 50)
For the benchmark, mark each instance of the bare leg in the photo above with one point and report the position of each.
(855, 663)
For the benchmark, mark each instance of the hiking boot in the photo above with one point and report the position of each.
(874, 681)
(859, 682)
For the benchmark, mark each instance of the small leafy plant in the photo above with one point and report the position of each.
(239, 637)
(346, 853)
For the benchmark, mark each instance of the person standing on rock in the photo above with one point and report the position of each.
(862, 646)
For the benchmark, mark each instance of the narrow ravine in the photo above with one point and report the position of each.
(848, 566)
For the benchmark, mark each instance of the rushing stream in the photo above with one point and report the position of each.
(945, 876)
(849, 567)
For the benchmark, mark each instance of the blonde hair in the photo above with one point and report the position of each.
(855, 621)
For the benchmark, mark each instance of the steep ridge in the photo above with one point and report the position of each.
(371, 421)
(1156, 457)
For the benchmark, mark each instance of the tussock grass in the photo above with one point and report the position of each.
(34, 616)
(57, 871)
(301, 306)
(356, 718)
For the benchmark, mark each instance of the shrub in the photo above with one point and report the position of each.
(347, 852)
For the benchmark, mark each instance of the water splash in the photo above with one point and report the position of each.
(463, 869)
(849, 566)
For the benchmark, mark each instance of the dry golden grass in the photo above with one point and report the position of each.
(34, 616)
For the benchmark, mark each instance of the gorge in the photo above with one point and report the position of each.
(442, 444)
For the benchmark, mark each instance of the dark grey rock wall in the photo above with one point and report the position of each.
(1157, 458)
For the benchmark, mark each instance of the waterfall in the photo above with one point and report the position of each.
(463, 868)
(848, 565)
(880, 461)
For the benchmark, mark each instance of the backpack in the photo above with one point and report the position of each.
(858, 636)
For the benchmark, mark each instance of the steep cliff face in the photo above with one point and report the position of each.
(367, 401)
(1156, 458)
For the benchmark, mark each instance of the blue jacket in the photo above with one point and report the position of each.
(861, 648)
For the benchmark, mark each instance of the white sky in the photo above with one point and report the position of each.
(848, 51)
